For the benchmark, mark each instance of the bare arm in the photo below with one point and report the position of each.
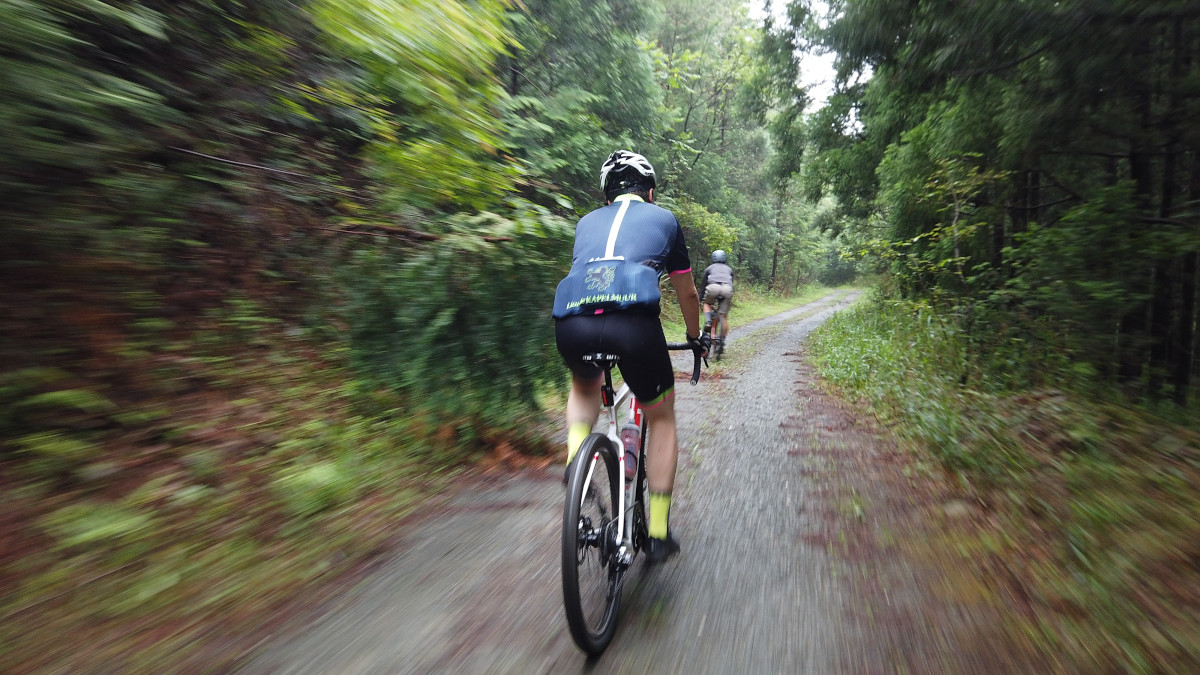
(689, 302)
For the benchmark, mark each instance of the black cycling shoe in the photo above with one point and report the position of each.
(658, 550)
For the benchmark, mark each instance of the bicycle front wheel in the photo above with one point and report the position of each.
(591, 580)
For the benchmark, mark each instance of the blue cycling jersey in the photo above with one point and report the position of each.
(620, 252)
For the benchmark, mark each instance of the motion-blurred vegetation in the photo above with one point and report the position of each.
(1091, 507)
(272, 269)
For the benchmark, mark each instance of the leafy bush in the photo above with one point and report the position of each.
(909, 363)
(84, 524)
(705, 231)
(50, 453)
(463, 325)
(312, 487)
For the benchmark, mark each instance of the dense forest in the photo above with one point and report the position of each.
(344, 159)
(1026, 178)
(270, 268)
(1033, 168)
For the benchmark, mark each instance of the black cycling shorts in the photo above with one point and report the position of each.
(636, 338)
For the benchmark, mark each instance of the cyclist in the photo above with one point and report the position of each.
(609, 302)
(717, 283)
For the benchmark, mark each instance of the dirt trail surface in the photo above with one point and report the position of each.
(802, 531)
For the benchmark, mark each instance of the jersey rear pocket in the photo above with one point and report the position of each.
(608, 285)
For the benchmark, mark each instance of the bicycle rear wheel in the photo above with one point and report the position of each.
(591, 579)
(638, 500)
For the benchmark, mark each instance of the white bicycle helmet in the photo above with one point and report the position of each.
(718, 256)
(624, 169)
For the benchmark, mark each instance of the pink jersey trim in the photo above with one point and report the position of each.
(679, 272)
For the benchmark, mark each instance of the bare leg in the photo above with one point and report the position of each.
(583, 409)
(583, 403)
(662, 448)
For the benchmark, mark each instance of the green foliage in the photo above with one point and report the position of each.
(463, 324)
(841, 265)
(281, 262)
(776, 89)
(1056, 270)
(76, 129)
(430, 95)
(932, 263)
(1058, 132)
(908, 362)
(61, 115)
(85, 524)
(549, 132)
(55, 453)
(582, 85)
(74, 399)
(1092, 502)
(705, 231)
(312, 487)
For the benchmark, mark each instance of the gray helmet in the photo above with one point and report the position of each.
(624, 170)
(718, 256)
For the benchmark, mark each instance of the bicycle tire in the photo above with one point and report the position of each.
(641, 524)
(591, 580)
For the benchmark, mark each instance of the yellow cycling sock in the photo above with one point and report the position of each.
(575, 435)
(660, 507)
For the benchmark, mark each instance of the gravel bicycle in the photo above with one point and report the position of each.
(715, 326)
(604, 521)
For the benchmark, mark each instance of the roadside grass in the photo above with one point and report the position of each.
(1092, 508)
(750, 303)
(237, 470)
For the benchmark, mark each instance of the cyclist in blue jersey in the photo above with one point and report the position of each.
(609, 302)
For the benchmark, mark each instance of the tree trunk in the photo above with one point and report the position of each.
(778, 236)
(1165, 349)
(514, 73)
(1162, 301)
(1033, 196)
(998, 244)
(1132, 340)
(775, 262)
(1186, 337)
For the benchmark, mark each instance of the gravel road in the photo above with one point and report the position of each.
(474, 585)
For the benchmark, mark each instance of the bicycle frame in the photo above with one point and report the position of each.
(611, 402)
(614, 538)
(718, 320)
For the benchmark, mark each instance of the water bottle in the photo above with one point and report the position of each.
(631, 438)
